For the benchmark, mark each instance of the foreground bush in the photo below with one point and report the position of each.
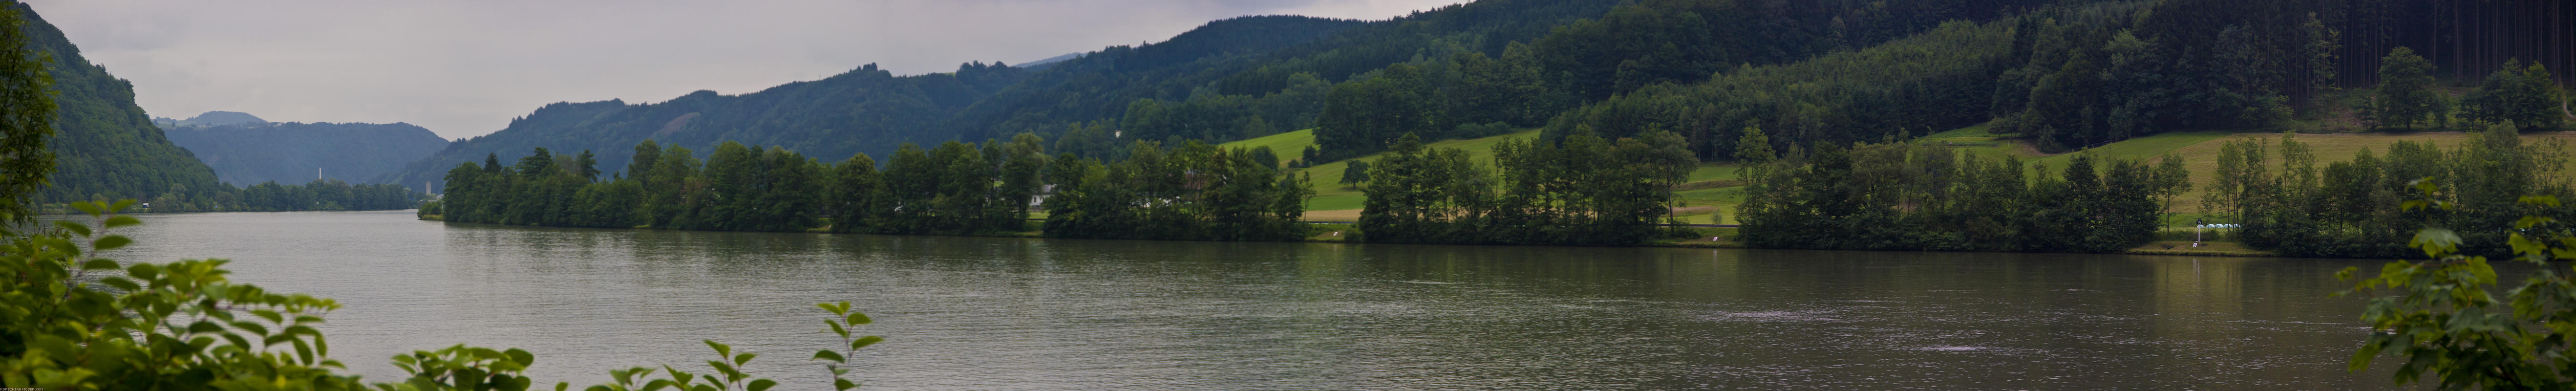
(72, 320)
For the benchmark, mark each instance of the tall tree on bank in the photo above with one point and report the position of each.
(26, 118)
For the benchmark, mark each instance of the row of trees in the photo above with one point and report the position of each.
(331, 194)
(1920, 196)
(948, 190)
(1194, 192)
(2351, 209)
(1191, 192)
(1585, 190)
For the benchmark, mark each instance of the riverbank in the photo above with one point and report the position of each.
(1704, 237)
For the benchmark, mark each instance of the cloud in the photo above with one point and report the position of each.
(465, 68)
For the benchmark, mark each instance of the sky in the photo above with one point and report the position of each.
(466, 68)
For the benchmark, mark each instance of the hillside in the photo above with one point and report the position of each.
(2200, 150)
(864, 110)
(1249, 77)
(1334, 201)
(104, 145)
(290, 153)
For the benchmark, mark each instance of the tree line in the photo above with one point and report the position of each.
(2352, 209)
(1584, 190)
(1923, 196)
(1191, 192)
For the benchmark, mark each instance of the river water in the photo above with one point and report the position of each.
(971, 313)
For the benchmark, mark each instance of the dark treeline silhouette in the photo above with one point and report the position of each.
(2354, 209)
(1915, 196)
(1192, 192)
(331, 194)
(1584, 190)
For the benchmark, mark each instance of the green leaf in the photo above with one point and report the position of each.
(843, 384)
(111, 242)
(76, 228)
(760, 385)
(102, 264)
(865, 341)
(254, 328)
(271, 316)
(120, 221)
(858, 319)
(143, 271)
(521, 356)
(721, 349)
(829, 355)
(121, 283)
(744, 358)
(837, 329)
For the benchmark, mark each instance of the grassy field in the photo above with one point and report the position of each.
(1288, 146)
(1335, 201)
(2200, 151)
(1330, 193)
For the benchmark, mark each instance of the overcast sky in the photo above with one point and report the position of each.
(465, 68)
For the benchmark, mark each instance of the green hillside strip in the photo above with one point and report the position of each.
(1331, 194)
(1287, 146)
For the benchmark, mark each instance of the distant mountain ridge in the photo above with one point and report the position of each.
(252, 151)
(865, 110)
(210, 118)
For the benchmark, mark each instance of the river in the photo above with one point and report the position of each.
(974, 313)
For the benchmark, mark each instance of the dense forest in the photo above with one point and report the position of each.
(246, 154)
(2082, 74)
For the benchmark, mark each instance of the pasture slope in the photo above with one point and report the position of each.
(1711, 194)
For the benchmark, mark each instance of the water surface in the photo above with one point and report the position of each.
(1036, 314)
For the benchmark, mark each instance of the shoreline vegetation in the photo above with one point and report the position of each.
(1329, 235)
(2276, 185)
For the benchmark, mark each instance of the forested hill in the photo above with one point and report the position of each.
(2081, 74)
(863, 110)
(104, 145)
(2064, 74)
(250, 153)
(1253, 76)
